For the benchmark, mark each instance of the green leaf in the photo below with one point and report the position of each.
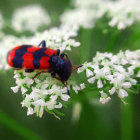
(18, 128)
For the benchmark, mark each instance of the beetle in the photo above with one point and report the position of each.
(40, 57)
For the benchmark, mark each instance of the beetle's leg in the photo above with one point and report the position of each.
(29, 70)
(56, 77)
(53, 74)
(39, 74)
(66, 85)
(50, 70)
(43, 43)
(58, 52)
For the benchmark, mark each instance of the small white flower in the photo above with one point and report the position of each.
(109, 77)
(45, 86)
(106, 70)
(39, 103)
(41, 111)
(119, 68)
(91, 80)
(29, 81)
(84, 67)
(50, 104)
(103, 94)
(65, 97)
(35, 90)
(58, 106)
(122, 93)
(15, 89)
(77, 44)
(82, 86)
(99, 84)
(64, 90)
(105, 100)
(113, 22)
(37, 80)
(76, 88)
(138, 75)
(23, 90)
(121, 25)
(34, 95)
(30, 111)
(16, 76)
(53, 98)
(112, 91)
(131, 70)
(89, 73)
(133, 81)
(127, 85)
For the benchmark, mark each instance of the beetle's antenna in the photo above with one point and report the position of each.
(75, 67)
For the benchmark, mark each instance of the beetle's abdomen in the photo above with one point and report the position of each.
(15, 56)
(30, 57)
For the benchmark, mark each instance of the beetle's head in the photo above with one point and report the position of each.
(61, 66)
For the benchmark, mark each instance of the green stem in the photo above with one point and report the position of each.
(127, 120)
(126, 109)
(112, 41)
(86, 37)
(18, 128)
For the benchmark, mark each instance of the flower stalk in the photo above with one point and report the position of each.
(127, 120)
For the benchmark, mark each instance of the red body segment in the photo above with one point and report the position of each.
(43, 64)
(28, 61)
(32, 49)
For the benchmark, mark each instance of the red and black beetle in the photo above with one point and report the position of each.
(29, 57)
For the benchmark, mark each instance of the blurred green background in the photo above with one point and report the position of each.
(113, 121)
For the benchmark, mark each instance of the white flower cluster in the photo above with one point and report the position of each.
(123, 13)
(84, 13)
(30, 18)
(57, 38)
(42, 93)
(113, 73)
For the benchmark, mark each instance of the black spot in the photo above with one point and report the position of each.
(37, 55)
(18, 59)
